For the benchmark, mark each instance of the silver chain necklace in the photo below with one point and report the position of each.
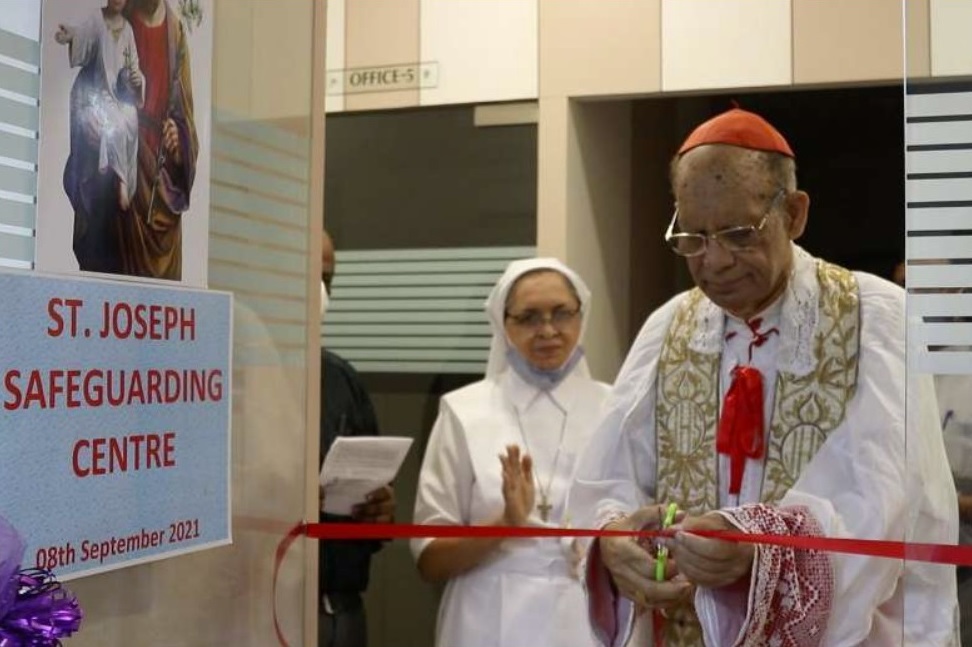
(544, 507)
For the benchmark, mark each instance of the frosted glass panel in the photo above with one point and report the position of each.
(21, 17)
(260, 227)
(939, 226)
(19, 91)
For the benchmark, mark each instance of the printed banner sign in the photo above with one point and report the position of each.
(114, 432)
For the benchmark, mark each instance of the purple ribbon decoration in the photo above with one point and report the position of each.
(35, 610)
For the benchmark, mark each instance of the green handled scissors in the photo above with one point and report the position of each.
(661, 559)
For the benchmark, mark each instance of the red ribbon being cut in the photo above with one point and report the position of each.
(933, 553)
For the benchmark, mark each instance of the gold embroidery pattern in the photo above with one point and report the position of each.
(807, 408)
(686, 417)
(682, 629)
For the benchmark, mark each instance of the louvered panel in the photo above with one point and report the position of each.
(940, 277)
(22, 52)
(939, 247)
(423, 267)
(938, 133)
(945, 362)
(19, 114)
(422, 342)
(17, 147)
(234, 148)
(415, 310)
(253, 253)
(258, 281)
(474, 278)
(945, 334)
(938, 218)
(266, 136)
(941, 161)
(504, 254)
(412, 354)
(390, 316)
(938, 104)
(239, 200)
(930, 305)
(459, 303)
(395, 330)
(416, 291)
(400, 366)
(265, 233)
(953, 189)
(259, 180)
(939, 227)
(258, 237)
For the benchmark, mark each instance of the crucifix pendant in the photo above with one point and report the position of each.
(544, 507)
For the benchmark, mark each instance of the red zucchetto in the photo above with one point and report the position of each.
(738, 127)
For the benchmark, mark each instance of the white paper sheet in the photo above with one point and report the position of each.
(357, 465)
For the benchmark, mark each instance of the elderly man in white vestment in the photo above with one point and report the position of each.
(769, 399)
(502, 452)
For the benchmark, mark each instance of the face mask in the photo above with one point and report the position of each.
(544, 379)
(325, 299)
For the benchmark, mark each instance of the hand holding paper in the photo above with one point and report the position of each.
(379, 506)
(358, 466)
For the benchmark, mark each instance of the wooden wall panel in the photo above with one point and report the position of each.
(725, 44)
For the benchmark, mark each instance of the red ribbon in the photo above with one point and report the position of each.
(932, 553)
(740, 434)
(282, 548)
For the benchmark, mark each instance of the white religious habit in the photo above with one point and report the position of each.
(833, 457)
(527, 592)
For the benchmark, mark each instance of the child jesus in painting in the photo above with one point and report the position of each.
(104, 100)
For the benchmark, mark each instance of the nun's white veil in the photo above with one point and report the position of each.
(496, 309)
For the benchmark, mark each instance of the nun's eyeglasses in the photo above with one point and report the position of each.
(535, 320)
(732, 239)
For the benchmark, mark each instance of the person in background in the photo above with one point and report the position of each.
(955, 408)
(344, 566)
(770, 399)
(501, 453)
(898, 273)
(954, 394)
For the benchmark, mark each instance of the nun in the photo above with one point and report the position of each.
(502, 453)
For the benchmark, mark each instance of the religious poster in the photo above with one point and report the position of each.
(124, 155)
(115, 423)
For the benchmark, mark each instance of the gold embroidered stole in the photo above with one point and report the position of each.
(806, 409)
